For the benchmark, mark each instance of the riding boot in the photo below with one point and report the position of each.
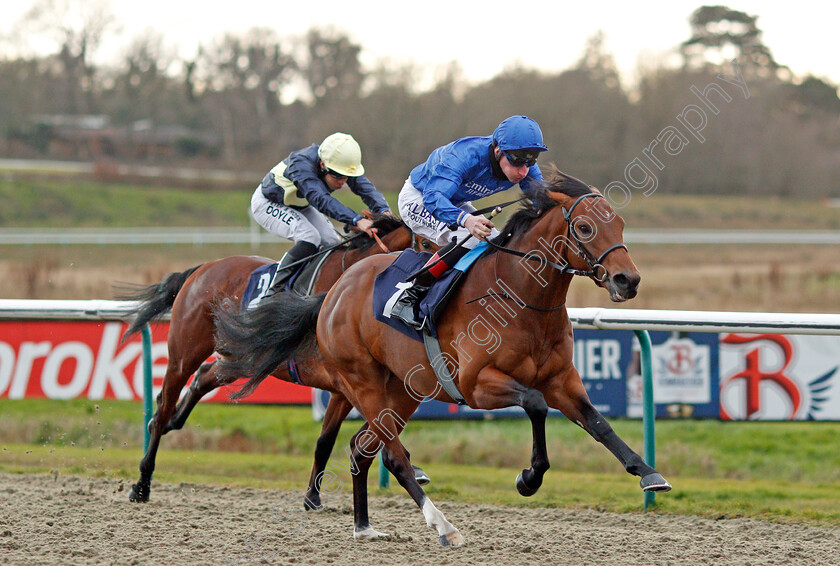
(298, 252)
(407, 307)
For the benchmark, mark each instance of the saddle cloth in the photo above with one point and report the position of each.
(260, 280)
(390, 285)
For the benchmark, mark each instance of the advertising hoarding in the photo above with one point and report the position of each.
(85, 359)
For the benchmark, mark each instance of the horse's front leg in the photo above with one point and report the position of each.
(572, 400)
(530, 480)
(496, 390)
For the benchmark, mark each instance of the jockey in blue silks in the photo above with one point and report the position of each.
(435, 202)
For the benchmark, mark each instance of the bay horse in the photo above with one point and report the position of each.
(191, 295)
(505, 336)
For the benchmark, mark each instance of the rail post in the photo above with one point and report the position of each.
(648, 407)
(384, 474)
(147, 384)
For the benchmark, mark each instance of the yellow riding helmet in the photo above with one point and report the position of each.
(341, 153)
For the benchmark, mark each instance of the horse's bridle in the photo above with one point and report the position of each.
(584, 252)
(593, 262)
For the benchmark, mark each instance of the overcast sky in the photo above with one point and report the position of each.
(485, 36)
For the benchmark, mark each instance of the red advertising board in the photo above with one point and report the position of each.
(69, 360)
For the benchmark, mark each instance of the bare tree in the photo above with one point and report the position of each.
(77, 27)
(334, 71)
(241, 79)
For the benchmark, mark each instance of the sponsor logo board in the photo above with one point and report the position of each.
(85, 359)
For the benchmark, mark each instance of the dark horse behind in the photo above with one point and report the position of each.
(191, 296)
(505, 334)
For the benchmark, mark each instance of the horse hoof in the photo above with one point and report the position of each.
(368, 533)
(421, 476)
(655, 482)
(522, 488)
(138, 494)
(453, 539)
(312, 504)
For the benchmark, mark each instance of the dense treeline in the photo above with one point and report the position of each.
(729, 120)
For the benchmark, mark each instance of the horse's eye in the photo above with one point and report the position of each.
(585, 229)
(427, 245)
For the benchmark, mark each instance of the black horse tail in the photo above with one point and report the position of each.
(154, 300)
(253, 343)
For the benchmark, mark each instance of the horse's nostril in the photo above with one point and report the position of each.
(624, 282)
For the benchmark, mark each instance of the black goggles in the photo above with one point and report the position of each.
(520, 157)
(336, 174)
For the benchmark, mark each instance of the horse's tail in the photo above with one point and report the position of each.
(253, 343)
(153, 300)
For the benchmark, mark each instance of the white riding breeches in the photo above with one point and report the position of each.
(421, 222)
(296, 224)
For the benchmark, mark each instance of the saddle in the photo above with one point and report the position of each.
(302, 282)
(390, 284)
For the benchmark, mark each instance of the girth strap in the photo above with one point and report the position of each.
(442, 374)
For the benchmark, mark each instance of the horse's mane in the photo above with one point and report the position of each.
(539, 202)
(382, 222)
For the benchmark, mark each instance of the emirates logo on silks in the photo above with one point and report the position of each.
(765, 385)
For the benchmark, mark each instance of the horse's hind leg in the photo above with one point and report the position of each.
(382, 432)
(337, 410)
(203, 383)
(166, 405)
(177, 375)
(579, 410)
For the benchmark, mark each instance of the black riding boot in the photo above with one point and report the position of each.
(299, 251)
